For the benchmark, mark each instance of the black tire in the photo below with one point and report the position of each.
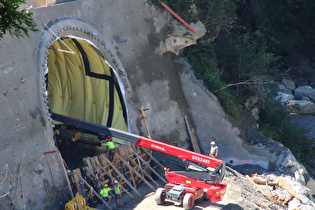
(188, 201)
(160, 196)
(205, 196)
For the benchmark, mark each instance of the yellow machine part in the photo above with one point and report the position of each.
(83, 85)
(72, 205)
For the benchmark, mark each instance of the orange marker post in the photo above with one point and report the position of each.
(179, 18)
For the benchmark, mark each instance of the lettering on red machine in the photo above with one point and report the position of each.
(200, 159)
(158, 147)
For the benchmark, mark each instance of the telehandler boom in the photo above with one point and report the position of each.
(184, 186)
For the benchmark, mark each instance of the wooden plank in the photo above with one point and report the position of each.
(122, 176)
(154, 171)
(129, 149)
(146, 124)
(97, 164)
(285, 185)
(137, 173)
(103, 175)
(139, 163)
(258, 187)
(88, 170)
(76, 178)
(192, 136)
(95, 168)
(258, 181)
(89, 164)
(144, 172)
(131, 171)
(95, 193)
(123, 151)
(255, 174)
(77, 200)
(129, 146)
(65, 172)
(106, 167)
(113, 178)
(94, 176)
(151, 156)
(133, 146)
(132, 178)
(259, 205)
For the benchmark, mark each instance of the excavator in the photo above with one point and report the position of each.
(183, 186)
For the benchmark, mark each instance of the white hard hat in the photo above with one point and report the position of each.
(212, 142)
(116, 182)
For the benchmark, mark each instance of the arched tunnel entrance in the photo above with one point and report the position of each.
(82, 85)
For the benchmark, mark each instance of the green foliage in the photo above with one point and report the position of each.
(242, 57)
(215, 14)
(275, 123)
(228, 102)
(177, 6)
(287, 25)
(14, 20)
(273, 119)
(207, 67)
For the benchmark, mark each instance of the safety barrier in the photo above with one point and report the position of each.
(72, 205)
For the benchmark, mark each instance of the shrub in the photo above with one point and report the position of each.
(15, 20)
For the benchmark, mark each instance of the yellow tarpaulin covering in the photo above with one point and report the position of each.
(83, 85)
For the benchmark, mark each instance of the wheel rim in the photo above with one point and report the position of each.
(191, 202)
(163, 195)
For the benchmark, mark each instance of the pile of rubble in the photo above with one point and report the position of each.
(266, 191)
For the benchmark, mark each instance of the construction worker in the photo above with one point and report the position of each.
(111, 147)
(104, 192)
(117, 189)
(214, 150)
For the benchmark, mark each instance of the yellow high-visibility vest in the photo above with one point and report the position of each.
(104, 192)
(117, 189)
(110, 145)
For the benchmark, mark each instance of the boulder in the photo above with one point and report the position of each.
(289, 84)
(250, 102)
(294, 204)
(301, 107)
(298, 175)
(181, 37)
(284, 97)
(304, 91)
(282, 88)
(305, 122)
(254, 112)
(289, 161)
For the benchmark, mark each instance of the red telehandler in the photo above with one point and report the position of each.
(184, 186)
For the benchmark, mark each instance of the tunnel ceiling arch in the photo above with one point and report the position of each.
(83, 85)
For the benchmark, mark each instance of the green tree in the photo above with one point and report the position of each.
(215, 14)
(286, 25)
(244, 62)
(14, 20)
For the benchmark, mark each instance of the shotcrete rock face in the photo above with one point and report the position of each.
(83, 85)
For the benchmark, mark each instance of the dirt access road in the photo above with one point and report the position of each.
(149, 203)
